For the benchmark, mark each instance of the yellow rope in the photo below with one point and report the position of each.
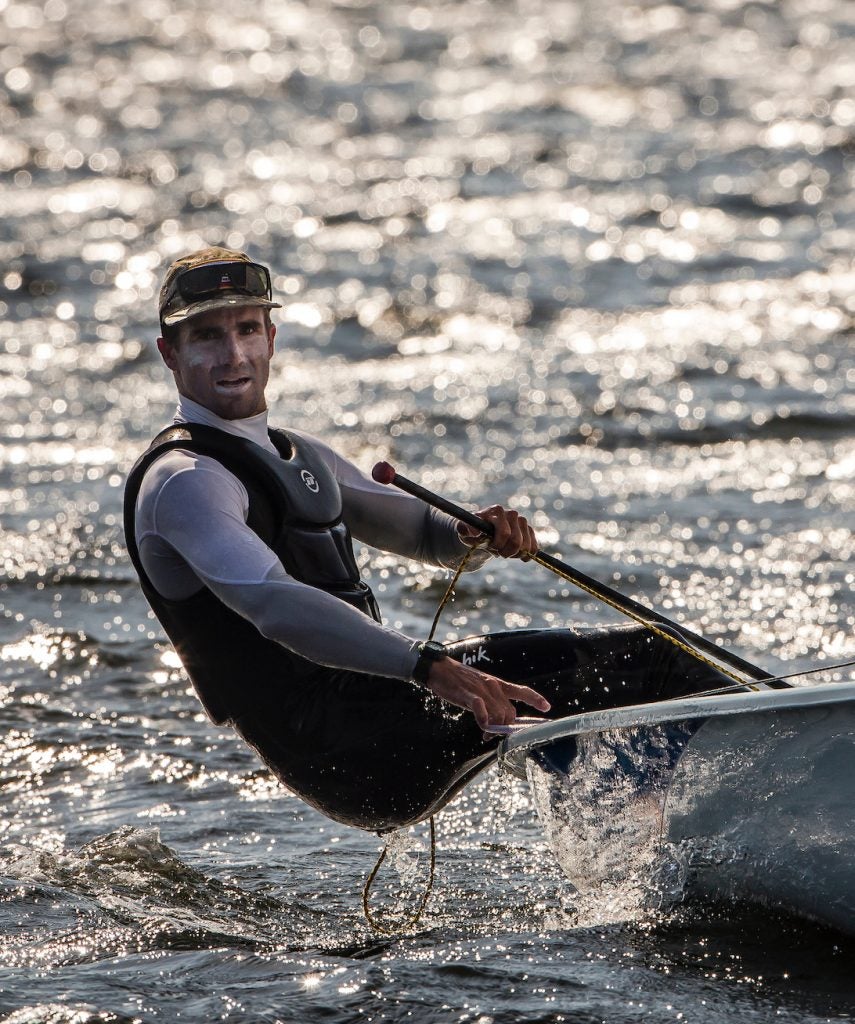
(644, 622)
(415, 917)
(652, 626)
(366, 892)
(637, 617)
(450, 589)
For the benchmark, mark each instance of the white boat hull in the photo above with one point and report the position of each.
(748, 796)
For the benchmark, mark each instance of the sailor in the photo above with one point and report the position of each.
(241, 535)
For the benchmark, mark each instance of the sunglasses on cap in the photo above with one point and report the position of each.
(207, 281)
(204, 282)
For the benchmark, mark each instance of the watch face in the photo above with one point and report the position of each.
(429, 652)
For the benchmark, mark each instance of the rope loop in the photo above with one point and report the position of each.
(416, 916)
(458, 572)
(393, 928)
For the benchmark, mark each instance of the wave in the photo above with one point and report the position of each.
(131, 886)
(613, 433)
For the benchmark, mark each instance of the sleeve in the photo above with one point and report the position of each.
(200, 511)
(392, 520)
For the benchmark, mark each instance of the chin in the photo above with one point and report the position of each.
(231, 407)
(239, 410)
(234, 413)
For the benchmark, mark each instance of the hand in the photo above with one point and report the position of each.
(488, 698)
(512, 536)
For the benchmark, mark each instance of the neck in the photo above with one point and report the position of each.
(254, 428)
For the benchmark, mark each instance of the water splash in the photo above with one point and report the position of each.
(140, 892)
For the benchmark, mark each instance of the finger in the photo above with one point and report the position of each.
(507, 537)
(490, 693)
(503, 713)
(529, 545)
(499, 722)
(514, 691)
(502, 529)
(516, 543)
(512, 536)
(521, 541)
(479, 710)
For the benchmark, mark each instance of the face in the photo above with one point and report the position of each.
(222, 360)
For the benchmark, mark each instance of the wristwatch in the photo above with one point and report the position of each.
(429, 652)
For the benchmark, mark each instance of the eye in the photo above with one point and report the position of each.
(206, 334)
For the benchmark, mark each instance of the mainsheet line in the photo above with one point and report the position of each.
(687, 640)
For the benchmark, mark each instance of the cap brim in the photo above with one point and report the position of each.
(218, 302)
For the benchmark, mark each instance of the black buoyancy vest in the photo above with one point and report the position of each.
(295, 507)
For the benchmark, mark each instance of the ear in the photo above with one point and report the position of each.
(271, 335)
(167, 353)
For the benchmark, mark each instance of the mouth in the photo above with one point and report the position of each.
(233, 383)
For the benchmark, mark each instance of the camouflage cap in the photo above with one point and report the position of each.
(175, 307)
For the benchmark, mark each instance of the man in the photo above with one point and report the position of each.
(241, 536)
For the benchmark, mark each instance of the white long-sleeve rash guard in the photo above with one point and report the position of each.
(191, 531)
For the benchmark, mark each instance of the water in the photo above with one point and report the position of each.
(591, 258)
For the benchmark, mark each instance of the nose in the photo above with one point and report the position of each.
(231, 348)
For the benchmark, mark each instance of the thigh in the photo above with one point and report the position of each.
(378, 753)
(576, 670)
(369, 751)
(591, 668)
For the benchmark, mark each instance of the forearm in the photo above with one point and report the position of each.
(318, 626)
(405, 526)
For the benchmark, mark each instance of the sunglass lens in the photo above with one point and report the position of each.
(203, 282)
(256, 280)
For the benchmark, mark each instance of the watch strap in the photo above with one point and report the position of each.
(429, 652)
